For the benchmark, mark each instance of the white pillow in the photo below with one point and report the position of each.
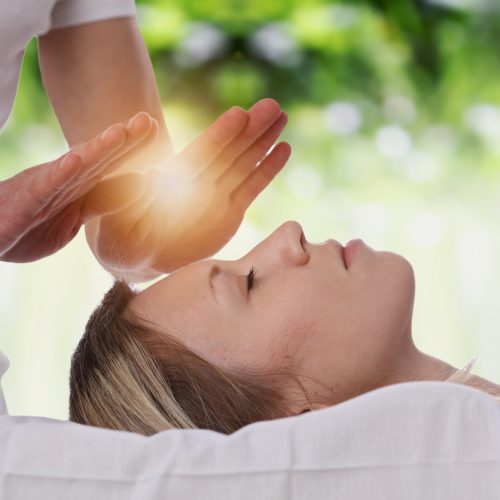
(419, 440)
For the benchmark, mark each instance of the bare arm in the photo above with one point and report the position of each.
(43, 207)
(97, 74)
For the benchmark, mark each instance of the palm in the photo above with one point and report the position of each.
(197, 198)
(47, 237)
(43, 207)
(196, 233)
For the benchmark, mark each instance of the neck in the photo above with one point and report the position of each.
(415, 365)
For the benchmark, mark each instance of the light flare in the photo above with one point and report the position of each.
(179, 192)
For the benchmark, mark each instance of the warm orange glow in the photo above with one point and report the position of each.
(179, 192)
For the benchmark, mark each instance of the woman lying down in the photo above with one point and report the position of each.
(290, 327)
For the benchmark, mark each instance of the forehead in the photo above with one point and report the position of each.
(180, 304)
(185, 286)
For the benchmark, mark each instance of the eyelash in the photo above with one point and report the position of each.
(251, 278)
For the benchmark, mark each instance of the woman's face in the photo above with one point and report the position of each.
(343, 331)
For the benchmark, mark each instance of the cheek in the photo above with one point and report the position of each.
(370, 332)
(289, 328)
(268, 340)
(376, 298)
(356, 319)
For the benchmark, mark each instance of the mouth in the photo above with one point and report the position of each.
(349, 251)
(340, 251)
(342, 254)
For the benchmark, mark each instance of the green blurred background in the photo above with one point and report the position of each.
(394, 120)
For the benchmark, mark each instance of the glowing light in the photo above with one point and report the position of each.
(178, 192)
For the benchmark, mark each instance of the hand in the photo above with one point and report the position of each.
(196, 200)
(43, 207)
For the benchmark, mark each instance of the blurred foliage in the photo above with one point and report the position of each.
(213, 54)
(316, 51)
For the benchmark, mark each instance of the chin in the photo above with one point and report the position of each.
(406, 281)
(400, 278)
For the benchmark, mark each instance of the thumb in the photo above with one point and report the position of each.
(113, 194)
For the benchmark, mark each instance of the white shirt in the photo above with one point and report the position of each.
(21, 20)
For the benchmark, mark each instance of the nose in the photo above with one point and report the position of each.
(286, 246)
(291, 243)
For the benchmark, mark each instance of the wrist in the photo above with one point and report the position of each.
(138, 273)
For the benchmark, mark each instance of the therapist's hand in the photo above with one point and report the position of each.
(195, 201)
(43, 207)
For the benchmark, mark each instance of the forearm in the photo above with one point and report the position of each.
(97, 74)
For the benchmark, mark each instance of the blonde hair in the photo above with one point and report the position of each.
(126, 375)
(464, 377)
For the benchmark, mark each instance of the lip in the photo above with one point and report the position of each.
(339, 248)
(350, 250)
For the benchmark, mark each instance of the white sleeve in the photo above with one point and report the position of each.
(72, 12)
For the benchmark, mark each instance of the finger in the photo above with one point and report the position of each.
(54, 186)
(240, 169)
(98, 153)
(197, 155)
(49, 182)
(133, 152)
(113, 194)
(84, 183)
(99, 148)
(54, 232)
(120, 226)
(261, 117)
(254, 184)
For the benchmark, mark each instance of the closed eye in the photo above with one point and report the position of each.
(251, 278)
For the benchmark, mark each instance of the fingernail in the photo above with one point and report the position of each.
(106, 133)
(67, 160)
(130, 122)
(133, 120)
